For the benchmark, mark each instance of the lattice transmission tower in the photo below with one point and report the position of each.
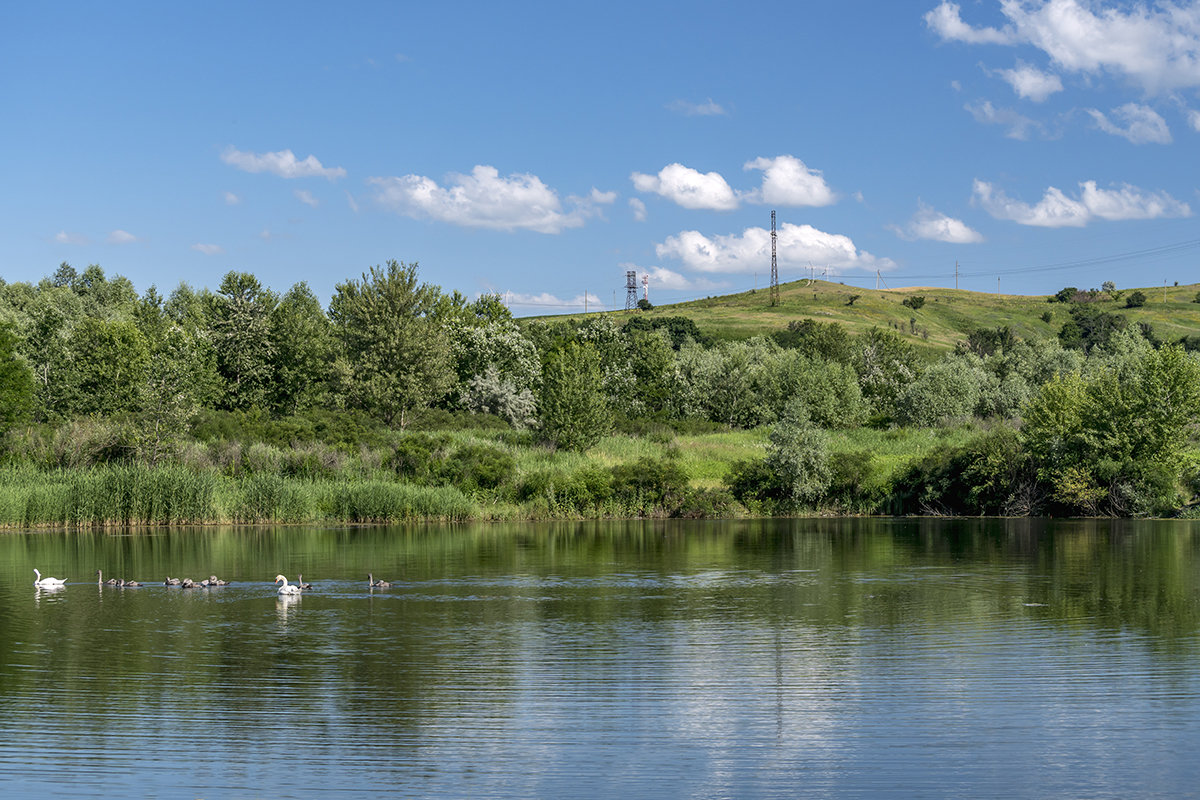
(631, 290)
(774, 265)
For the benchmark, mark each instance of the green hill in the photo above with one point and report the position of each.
(946, 317)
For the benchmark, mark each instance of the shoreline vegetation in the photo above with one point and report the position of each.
(398, 403)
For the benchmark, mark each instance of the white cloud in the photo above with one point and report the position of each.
(663, 278)
(282, 163)
(796, 246)
(688, 187)
(1019, 126)
(232, 199)
(350, 201)
(639, 209)
(482, 199)
(547, 301)
(121, 237)
(63, 237)
(306, 197)
(928, 223)
(788, 182)
(1057, 210)
(1157, 48)
(1142, 124)
(705, 109)
(1030, 82)
(946, 21)
(266, 235)
(209, 249)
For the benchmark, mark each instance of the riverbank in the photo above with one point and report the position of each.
(444, 476)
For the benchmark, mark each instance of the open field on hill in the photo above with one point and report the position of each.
(945, 318)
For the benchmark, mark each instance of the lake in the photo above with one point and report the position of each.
(743, 659)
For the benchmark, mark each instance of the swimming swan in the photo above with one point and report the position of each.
(377, 584)
(286, 589)
(300, 582)
(47, 583)
(110, 582)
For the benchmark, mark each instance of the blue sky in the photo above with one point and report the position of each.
(541, 150)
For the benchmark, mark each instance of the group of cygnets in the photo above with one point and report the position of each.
(187, 583)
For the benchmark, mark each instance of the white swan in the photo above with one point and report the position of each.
(46, 583)
(300, 582)
(286, 589)
(377, 584)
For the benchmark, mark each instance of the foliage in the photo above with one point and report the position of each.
(240, 324)
(827, 341)
(490, 393)
(914, 301)
(574, 411)
(398, 351)
(16, 382)
(798, 456)
(1136, 299)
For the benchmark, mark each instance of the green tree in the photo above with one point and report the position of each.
(798, 455)
(303, 349)
(397, 349)
(240, 324)
(108, 364)
(16, 382)
(573, 409)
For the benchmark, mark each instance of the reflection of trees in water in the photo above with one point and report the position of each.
(480, 612)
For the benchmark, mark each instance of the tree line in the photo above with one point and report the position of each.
(1097, 422)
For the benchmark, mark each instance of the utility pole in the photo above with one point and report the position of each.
(956, 273)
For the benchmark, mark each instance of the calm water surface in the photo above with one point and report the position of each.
(815, 658)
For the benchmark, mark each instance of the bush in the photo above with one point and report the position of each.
(650, 483)
(477, 466)
(914, 301)
(1135, 299)
(417, 456)
(582, 491)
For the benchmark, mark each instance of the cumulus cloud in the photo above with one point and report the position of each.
(788, 182)
(232, 199)
(688, 187)
(796, 246)
(1019, 126)
(484, 199)
(209, 249)
(638, 208)
(1157, 48)
(1141, 124)
(306, 197)
(282, 163)
(1057, 210)
(63, 237)
(1031, 83)
(947, 22)
(928, 223)
(121, 237)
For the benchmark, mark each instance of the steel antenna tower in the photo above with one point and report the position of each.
(774, 265)
(630, 289)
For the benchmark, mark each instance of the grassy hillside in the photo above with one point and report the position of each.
(945, 318)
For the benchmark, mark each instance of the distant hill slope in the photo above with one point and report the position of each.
(946, 317)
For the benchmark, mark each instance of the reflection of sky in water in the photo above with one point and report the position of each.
(750, 673)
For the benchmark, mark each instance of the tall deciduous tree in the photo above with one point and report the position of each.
(573, 408)
(304, 351)
(240, 320)
(396, 347)
(16, 382)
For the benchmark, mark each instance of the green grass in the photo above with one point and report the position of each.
(946, 318)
